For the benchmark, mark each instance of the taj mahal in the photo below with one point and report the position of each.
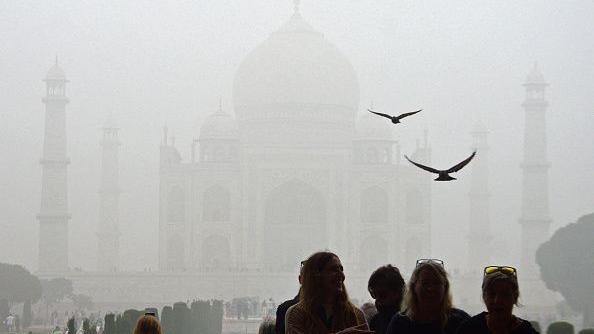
(293, 167)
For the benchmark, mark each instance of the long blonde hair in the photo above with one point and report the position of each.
(312, 291)
(411, 302)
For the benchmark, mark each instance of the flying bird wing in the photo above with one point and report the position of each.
(380, 114)
(427, 168)
(461, 164)
(401, 116)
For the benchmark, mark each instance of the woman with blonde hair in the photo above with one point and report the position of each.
(324, 306)
(147, 324)
(500, 294)
(428, 303)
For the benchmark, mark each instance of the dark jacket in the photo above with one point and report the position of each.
(478, 325)
(379, 322)
(281, 311)
(402, 324)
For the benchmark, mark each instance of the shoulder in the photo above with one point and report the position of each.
(474, 325)
(359, 315)
(296, 310)
(459, 314)
(285, 305)
(296, 319)
(399, 324)
(525, 328)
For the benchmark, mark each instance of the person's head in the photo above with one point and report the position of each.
(386, 286)
(500, 291)
(323, 283)
(323, 277)
(147, 324)
(428, 291)
(369, 310)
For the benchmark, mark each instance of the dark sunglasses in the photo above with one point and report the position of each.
(434, 261)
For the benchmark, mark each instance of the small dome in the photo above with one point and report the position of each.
(55, 73)
(479, 127)
(219, 125)
(535, 77)
(372, 127)
(110, 123)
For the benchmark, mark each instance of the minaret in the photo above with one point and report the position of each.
(535, 219)
(53, 216)
(479, 237)
(109, 195)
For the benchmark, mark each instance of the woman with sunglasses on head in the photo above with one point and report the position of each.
(500, 294)
(427, 303)
(324, 306)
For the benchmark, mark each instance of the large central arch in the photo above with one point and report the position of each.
(294, 225)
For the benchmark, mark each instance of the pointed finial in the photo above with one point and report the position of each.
(425, 137)
(165, 134)
(296, 6)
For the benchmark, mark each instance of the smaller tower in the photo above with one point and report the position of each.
(109, 195)
(479, 237)
(535, 219)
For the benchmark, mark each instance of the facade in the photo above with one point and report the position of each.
(108, 234)
(53, 215)
(292, 170)
(480, 237)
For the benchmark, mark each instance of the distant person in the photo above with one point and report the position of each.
(267, 326)
(386, 286)
(324, 306)
(369, 310)
(147, 324)
(427, 307)
(283, 307)
(500, 294)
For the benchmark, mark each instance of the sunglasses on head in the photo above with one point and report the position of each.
(504, 269)
(434, 261)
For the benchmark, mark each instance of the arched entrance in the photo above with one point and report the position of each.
(294, 225)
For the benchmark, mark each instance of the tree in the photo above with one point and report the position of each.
(82, 302)
(109, 324)
(560, 327)
(86, 326)
(17, 285)
(27, 314)
(217, 316)
(182, 318)
(567, 265)
(71, 325)
(54, 290)
(167, 324)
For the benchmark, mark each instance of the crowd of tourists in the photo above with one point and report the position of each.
(423, 306)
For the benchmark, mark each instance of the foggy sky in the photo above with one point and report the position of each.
(150, 63)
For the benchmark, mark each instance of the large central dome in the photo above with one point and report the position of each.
(296, 71)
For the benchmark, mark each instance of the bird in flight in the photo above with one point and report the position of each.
(443, 175)
(395, 119)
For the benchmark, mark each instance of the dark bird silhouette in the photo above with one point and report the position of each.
(443, 174)
(395, 119)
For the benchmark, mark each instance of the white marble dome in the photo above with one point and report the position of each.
(219, 125)
(295, 66)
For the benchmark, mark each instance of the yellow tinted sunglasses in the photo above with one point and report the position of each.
(504, 269)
